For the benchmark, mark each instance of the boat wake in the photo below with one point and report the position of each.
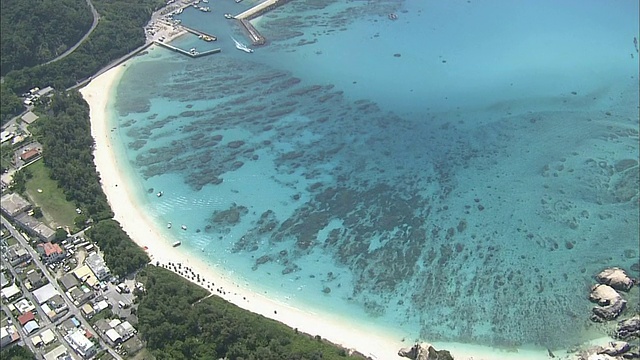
(241, 46)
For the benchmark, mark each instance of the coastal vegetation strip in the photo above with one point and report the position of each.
(179, 321)
(68, 152)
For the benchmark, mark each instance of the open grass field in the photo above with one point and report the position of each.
(51, 199)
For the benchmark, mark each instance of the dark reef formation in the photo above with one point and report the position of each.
(389, 198)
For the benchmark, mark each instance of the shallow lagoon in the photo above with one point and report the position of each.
(458, 174)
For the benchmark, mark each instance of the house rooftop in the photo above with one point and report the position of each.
(25, 318)
(29, 117)
(13, 204)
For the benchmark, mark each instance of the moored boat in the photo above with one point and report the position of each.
(177, 243)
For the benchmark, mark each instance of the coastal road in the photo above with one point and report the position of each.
(96, 18)
(71, 306)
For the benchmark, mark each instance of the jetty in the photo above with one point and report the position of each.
(199, 33)
(245, 17)
(193, 54)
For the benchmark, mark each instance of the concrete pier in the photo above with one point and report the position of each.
(184, 52)
(198, 32)
(245, 17)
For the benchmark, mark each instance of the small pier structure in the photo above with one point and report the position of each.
(245, 17)
(199, 33)
(188, 53)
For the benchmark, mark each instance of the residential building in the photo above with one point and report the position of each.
(24, 306)
(34, 227)
(80, 344)
(59, 353)
(4, 280)
(67, 281)
(8, 335)
(48, 337)
(26, 317)
(30, 327)
(50, 252)
(80, 295)
(10, 292)
(13, 204)
(17, 254)
(84, 274)
(29, 117)
(35, 279)
(30, 155)
(45, 293)
(97, 266)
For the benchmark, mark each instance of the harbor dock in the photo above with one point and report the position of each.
(199, 33)
(245, 17)
(193, 54)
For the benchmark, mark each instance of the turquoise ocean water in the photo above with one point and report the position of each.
(457, 174)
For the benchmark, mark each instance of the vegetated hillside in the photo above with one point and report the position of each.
(119, 31)
(36, 31)
(178, 322)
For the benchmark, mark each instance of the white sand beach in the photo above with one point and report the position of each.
(142, 230)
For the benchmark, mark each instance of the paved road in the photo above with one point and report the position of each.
(96, 17)
(72, 308)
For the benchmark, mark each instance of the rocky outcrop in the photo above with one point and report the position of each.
(424, 352)
(615, 350)
(616, 278)
(629, 328)
(611, 303)
(604, 295)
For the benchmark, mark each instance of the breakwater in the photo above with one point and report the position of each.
(245, 17)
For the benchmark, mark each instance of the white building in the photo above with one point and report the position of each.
(97, 266)
(80, 344)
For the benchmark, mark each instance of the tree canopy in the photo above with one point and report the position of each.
(180, 321)
(121, 254)
(65, 134)
(34, 32)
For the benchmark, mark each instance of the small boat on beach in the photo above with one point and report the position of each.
(241, 46)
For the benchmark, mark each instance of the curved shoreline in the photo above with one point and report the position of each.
(367, 340)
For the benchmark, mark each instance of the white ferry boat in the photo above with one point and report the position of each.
(241, 46)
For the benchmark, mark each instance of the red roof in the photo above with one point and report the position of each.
(87, 334)
(26, 317)
(50, 249)
(27, 155)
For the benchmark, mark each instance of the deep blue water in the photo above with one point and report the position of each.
(457, 174)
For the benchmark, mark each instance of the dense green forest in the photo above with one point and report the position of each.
(34, 32)
(16, 353)
(176, 325)
(121, 254)
(120, 30)
(65, 134)
(10, 103)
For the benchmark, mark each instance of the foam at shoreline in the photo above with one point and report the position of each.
(370, 341)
